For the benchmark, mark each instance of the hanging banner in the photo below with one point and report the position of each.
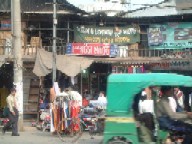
(94, 49)
(120, 35)
(175, 35)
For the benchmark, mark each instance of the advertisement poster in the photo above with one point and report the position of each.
(175, 36)
(155, 36)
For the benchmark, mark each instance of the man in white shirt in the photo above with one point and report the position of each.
(172, 103)
(13, 113)
(102, 97)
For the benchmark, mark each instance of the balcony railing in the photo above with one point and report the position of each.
(30, 50)
(124, 53)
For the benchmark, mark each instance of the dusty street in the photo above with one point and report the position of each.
(38, 137)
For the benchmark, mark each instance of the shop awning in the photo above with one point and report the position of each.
(70, 65)
(43, 63)
(129, 60)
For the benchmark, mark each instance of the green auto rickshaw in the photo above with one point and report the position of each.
(120, 123)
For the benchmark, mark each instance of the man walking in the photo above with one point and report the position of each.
(13, 113)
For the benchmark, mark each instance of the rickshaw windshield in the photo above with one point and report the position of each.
(122, 88)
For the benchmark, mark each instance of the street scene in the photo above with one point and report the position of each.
(95, 71)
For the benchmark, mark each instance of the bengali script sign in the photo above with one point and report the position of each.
(120, 35)
(95, 49)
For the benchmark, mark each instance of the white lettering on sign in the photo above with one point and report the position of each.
(83, 30)
(87, 50)
(91, 49)
(101, 51)
(104, 32)
(129, 31)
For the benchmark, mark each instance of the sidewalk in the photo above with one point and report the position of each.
(33, 136)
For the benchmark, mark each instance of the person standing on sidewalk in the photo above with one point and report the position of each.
(13, 113)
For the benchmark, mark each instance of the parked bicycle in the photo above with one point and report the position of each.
(69, 130)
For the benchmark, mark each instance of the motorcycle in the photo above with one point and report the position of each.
(92, 121)
(45, 118)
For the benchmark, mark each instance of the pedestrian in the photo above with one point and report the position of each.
(145, 104)
(179, 97)
(13, 113)
(102, 98)
(173, 103)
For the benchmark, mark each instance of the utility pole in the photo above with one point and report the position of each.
(18, 63)
(54, 39)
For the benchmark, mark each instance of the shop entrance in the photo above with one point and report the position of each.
(6, 77)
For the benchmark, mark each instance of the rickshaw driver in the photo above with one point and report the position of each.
(167, 117)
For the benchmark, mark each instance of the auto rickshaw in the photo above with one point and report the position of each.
(120, 124)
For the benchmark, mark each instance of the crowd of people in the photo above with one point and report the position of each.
(169, 109)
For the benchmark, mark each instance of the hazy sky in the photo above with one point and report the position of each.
(79, 2)
(91, 5)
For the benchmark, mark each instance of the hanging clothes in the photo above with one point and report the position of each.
(143, 69)
(134, 69)
(114, 69)
(139, 69)
(74, 114)
(52, 129)
(130, 69)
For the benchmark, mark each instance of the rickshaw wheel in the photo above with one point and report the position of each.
(118, 142)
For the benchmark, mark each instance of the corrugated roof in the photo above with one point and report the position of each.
(168, 8)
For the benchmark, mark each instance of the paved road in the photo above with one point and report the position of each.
(39, 137)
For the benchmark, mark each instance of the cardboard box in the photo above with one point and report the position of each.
(36, 41)
(133, 50)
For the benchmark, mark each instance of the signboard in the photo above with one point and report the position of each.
(175, 35)
(155, 36)
(179, 65)
(120, 35)
(95, 49)
(5, 25)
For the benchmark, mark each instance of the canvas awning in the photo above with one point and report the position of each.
(70, 65)
(43, 63)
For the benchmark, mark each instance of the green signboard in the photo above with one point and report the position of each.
(174, 35)
(120, 35)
